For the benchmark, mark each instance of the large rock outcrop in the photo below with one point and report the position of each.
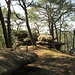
(11, 61)
(44, 38)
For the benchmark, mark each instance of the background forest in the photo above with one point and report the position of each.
(25, 20)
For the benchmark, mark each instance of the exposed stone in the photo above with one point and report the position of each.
(11, 61)
(22, 48)
(44, 38)
(42, 43)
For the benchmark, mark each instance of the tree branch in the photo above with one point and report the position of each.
(30, 3)
(61, 15)
(20, 4)
(17, 15)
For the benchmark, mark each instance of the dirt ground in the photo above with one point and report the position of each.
(49, 62)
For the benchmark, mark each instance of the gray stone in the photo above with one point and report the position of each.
(11, 61)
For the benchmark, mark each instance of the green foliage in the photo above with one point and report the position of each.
(33, 14)
(73, 18)
(38, 15)
(26, 39)
(4, 10)
(35, 36)
(13, 39)
(21, 35)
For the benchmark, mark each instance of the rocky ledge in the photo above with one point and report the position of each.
(11, 61)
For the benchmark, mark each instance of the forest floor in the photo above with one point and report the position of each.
(49, 62)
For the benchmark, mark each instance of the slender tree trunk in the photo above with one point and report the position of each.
(50, 23)
(4, 29)
(49, 17)
(52, 33)
(65, 41)
(37, 29)
(60, 31)
(27, 23)
(56, 32)
(8, 24)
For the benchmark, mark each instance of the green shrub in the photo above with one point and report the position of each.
(21, 35)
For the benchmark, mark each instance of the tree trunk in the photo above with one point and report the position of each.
(56, 32)
(64, 41)
(8, 24)
(49, 17)
(60, 31)
(50, 23)
(67, 42)
(37, 28)
(4, 29)
(52, 33)
(27, 23)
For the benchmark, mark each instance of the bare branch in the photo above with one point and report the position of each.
(20, 4)
(61, 15)
(17, 15)
(30, 3)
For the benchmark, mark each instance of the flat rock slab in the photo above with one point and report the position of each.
(10, 61)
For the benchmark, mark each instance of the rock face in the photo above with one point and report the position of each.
(11, 61)
(44, 38)
(46, 41)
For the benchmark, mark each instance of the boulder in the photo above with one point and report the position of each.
(44, 38)
(58, 45)
(11, 61)
(42, 43)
